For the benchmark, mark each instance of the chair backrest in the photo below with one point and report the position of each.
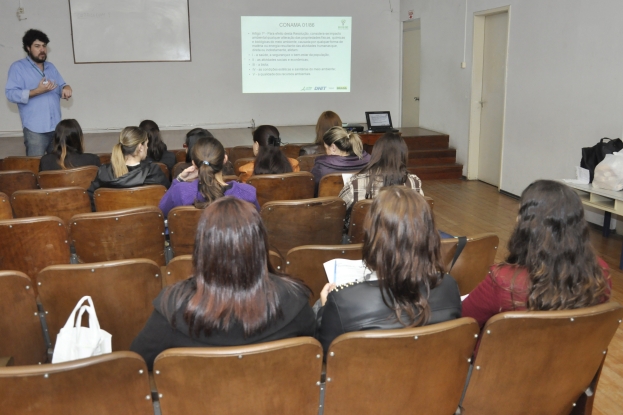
(114, 199)
(164, 169)
(292, 223)
(122, 293)
(292, 150)
(539, 362)
(180, 155)
(331, 185)
(178, 269)
(430, 201)
(22, 337)
(80, 177)
(11, 181)
(472, 265)
(22, 163)
(241, 162)
(276, 260)
(31, 244)
(287, 186)
(178, 168)
(408, 371)
(357, 215)
(279, 377)
(306, 263)
(120, 234)
(63, 202)
(306, 163)
(183, 221)
(6, 212)
(240, 152)
(114, 383)
(104, 157)
(230, 178)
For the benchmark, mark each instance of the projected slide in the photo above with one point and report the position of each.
(295, 54)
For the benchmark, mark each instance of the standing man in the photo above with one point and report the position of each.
(37, 87)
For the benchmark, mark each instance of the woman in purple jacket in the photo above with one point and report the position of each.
(202, 183)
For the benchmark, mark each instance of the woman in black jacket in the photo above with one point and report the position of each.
(68, 149)
(125, 168)
(410, 289)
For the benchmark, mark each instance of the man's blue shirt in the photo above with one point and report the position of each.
(42, 112)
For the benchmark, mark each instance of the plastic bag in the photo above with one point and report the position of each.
(609, 173)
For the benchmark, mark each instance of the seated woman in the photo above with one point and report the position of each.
(269, 159)
(402, 246)
(326, 120)
(234, 297)
(345, 154)
(202, 183)
(68, 149)
(550, 265)
(125, 168)
(387, 167)
(157, 149)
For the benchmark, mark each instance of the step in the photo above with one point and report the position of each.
(426, 142)
(442, 171)
(429, 157)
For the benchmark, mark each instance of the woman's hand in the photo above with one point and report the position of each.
(328, 287)
(189, 174)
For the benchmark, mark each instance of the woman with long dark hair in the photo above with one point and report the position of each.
(269, 159)
(402, 246)
(202, 183)
(157, 149)
(234, 296)
(551, 264)
(68, 149)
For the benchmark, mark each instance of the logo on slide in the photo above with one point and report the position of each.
(343, 23)
(306, 88)
(320, 88)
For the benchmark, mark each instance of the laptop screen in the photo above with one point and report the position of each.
(379, 119)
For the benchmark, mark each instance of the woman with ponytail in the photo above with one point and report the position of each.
(202, 183)
(268, 156)
(68, 149)
(125, 168)
(345, 154)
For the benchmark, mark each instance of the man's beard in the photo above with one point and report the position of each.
(36, 59)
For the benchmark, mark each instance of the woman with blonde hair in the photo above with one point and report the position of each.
(345, 154)
(125, 168)
(202, 183)
(68, 149)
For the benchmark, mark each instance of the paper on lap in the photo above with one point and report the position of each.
(346, 177)
(341, 271)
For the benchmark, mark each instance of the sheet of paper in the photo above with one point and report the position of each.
(582, 176)
(346, 177)
(341, 271)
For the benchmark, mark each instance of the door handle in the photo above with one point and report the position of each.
(416, 98)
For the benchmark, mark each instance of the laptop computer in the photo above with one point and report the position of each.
(379, 121)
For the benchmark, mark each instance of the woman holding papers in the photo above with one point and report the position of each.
(234, 296)
(402, 246)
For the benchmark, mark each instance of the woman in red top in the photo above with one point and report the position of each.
(551, 264)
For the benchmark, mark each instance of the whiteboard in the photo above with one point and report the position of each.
(130, 30)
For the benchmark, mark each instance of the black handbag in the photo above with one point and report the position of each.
(592, 156)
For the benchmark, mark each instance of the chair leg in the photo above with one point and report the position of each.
(584, 405)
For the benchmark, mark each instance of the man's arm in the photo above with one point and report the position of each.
(67, 92)
(16, 91)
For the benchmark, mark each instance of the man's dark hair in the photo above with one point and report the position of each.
(31, 35)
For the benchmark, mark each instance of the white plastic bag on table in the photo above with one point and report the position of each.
(609, 173)
(77, 342)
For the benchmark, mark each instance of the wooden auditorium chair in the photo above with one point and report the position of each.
(63, 202)
(113, 383)
(286, 186)
(22, 163)
(276, 260)
(278, 377)
(6, 211)
(31, 244)
(306, 163)
(415, 371)
(472, 265)
(178, 168)
(306, 263)
(122, 293)
(241, 162)
(114, 199)
(292, 150)
(80, 177)
(292, 223)
(180, 155)
(22, 336)
(119, 234)
(540, 362)
(11, 181)
(104, 158)
(183, 222)
(178, 269)
(331, 184)
(164, 169)
(240, 152)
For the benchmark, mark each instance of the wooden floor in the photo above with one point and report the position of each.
(471, 207)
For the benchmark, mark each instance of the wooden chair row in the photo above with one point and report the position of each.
(414, 370)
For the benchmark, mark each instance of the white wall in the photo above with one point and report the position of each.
(564, 80)
(207, 91)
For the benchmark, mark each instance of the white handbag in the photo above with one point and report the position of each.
(77, 342)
